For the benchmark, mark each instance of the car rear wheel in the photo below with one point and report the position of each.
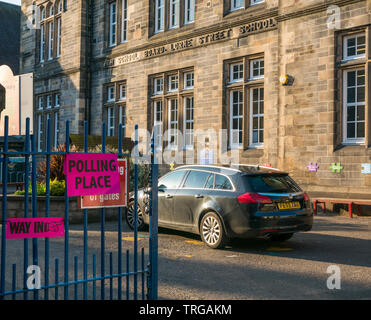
(212, 233)
(130, 217)
(281, 237)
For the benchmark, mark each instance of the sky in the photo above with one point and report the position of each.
(17, 2)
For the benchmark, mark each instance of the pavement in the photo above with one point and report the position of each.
(254, 269)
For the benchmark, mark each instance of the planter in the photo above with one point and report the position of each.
(15, 209)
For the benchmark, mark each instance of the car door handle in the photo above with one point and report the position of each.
(168, 196)
(198, 196)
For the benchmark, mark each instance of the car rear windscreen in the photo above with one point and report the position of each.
(272, 183)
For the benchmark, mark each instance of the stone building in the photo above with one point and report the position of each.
(288, 80)
(10, 18)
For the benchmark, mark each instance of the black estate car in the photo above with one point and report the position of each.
(220, 203)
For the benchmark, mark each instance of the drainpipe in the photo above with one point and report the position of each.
(88, 51)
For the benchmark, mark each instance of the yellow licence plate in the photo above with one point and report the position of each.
(289, 205)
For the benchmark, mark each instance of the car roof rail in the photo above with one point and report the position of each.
(257, 166)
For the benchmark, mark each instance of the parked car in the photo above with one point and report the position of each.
(220, 203)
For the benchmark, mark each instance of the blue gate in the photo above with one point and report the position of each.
(74, 267)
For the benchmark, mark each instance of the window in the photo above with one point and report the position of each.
(111, 94)
(173, 83)
(189, 11)
(188, 80)
(40, 132)
(115, 108)
(59, 7)
(158, 86)
(257, 69)
(352, 127)
(222, 183)
(59, 36)
(159, 15)
(42, 14)
(112, 24)
(122, 91)
(117, 22)
(50, 36)
(122, 119)
(56, 129)
(124, 26)
(237, 4)
(245, 102)
(272, 184)
(158, 123)
(40, 103)
(173, 123)
(171, 180)
(257, 116)
(234, 5)
(236, 72)
(196, 179)
(210, 182)
(171, 109)
(188, 122)
(174, 13)
(52, 102)
(171, 14)
(111, 122)
(57, 100)
(354, 106)
(256, 2)
(236, 119)
(48, 101)
(42, 42)
(355, 46)
(51, 39)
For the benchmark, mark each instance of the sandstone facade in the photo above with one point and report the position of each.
(303, 122)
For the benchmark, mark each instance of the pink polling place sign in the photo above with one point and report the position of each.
(23, 228)
(91, 174)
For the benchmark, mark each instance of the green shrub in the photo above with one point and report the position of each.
(56, 188)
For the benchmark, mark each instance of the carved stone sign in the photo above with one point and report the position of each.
(203, 40)
(258, 26)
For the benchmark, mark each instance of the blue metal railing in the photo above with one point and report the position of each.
(71, 283)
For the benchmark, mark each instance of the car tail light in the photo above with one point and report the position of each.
(253, 198)
(306, 197)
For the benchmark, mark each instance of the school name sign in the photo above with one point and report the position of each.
(91, 174)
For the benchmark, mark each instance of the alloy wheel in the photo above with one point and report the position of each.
(211, 230)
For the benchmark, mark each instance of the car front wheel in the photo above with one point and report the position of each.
(130, 217)
(212, 233)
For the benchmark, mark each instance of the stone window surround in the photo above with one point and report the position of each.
(56, 19)
(245, 85)
(41, 145)
(166, 23)
(118, 105)
(165, 97)
(347, 65)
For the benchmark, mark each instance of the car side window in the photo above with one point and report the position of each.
(172, 180)
(210, 182)
(222, 183)
(196, 179)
